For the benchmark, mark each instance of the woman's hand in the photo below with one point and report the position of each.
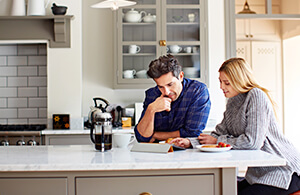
(207, 139)
(181, 142)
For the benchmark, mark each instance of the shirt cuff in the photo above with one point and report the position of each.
(139, 137)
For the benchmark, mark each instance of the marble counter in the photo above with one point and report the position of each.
(81, 131)
(85, 157)
(87, 131)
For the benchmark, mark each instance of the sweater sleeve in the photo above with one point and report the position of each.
(256, 114)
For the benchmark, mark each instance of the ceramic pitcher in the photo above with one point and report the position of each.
(37, 7)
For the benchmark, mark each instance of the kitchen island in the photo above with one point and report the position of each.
(80, 169)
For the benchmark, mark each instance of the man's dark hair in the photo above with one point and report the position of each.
(164, 65)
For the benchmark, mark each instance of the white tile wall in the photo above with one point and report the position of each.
(23, 84)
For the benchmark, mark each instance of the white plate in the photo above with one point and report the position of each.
(224, 149)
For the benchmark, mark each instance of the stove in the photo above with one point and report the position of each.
(21, 135)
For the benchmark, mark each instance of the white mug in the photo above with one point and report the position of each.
(188, 49)
(129, 74)
(175, 48)
(133, 49)
(192, 17)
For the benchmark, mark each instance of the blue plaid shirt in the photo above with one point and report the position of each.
(189, 113)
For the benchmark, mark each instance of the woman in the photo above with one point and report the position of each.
(250, 123)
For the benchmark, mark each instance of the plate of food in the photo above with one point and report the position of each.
(221, 147)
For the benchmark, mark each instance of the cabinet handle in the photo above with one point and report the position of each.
(246, 36)
(162, 43)
(145, 193)
(251, 36)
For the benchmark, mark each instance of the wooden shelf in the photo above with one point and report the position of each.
(269, 16)
(56, 29)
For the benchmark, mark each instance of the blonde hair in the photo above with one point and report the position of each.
(241, 78)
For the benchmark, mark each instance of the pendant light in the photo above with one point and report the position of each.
(113, 4)
(246, 9)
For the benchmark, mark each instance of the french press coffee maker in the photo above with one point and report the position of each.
(103, 130)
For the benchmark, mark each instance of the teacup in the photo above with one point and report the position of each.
(129, 74)
(141, 74)
(175, 48)
(121, 140)
(133, 49)
(188, 49)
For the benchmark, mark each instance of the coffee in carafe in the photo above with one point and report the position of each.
(103, 131)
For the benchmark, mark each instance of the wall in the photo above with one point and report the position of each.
(23, 84)
(291, 71)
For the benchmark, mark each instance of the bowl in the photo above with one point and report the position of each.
(121, 140)
(59, 10)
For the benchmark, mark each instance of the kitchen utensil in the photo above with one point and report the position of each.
(141, 74)
(177, 18)
(149, 18)
(203, 149)
(192, 17)
(103, 130)
(58, 10)
(175, 48)
(129, 74)
(121, 140)
(18, 8)
(119, 118)
(195, 49)
(133, 49)
(37, 7)
(188, 49)
(134, 16)
(96, 108)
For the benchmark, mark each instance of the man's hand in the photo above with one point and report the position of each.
(207, 139)
(161, 104)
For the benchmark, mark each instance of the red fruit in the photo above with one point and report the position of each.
(228, 145)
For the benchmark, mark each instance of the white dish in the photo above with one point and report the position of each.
(203, 149)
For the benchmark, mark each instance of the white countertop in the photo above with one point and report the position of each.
(81, 131)
(87, 131)
(85, 157)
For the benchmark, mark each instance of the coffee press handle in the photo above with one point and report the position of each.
(91, 132)
(100, 106)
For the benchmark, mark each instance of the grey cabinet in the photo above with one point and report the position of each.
(181, 23)
(155, 184)
(67, 139)
(33, 186)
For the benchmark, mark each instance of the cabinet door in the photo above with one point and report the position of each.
(180, 23)
(183, 33)
(33, 186)
(264, 58)
(266, 65)
(186, 184)
(243, 50)
(67, 140)
(257, 29)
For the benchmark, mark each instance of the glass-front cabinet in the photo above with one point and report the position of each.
(153, 28)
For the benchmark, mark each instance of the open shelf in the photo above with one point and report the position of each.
(56, 29)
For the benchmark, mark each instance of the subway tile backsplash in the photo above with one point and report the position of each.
(23, 84)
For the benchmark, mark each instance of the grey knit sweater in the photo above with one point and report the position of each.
(249, 123)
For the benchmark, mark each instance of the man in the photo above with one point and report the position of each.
(176, 107)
